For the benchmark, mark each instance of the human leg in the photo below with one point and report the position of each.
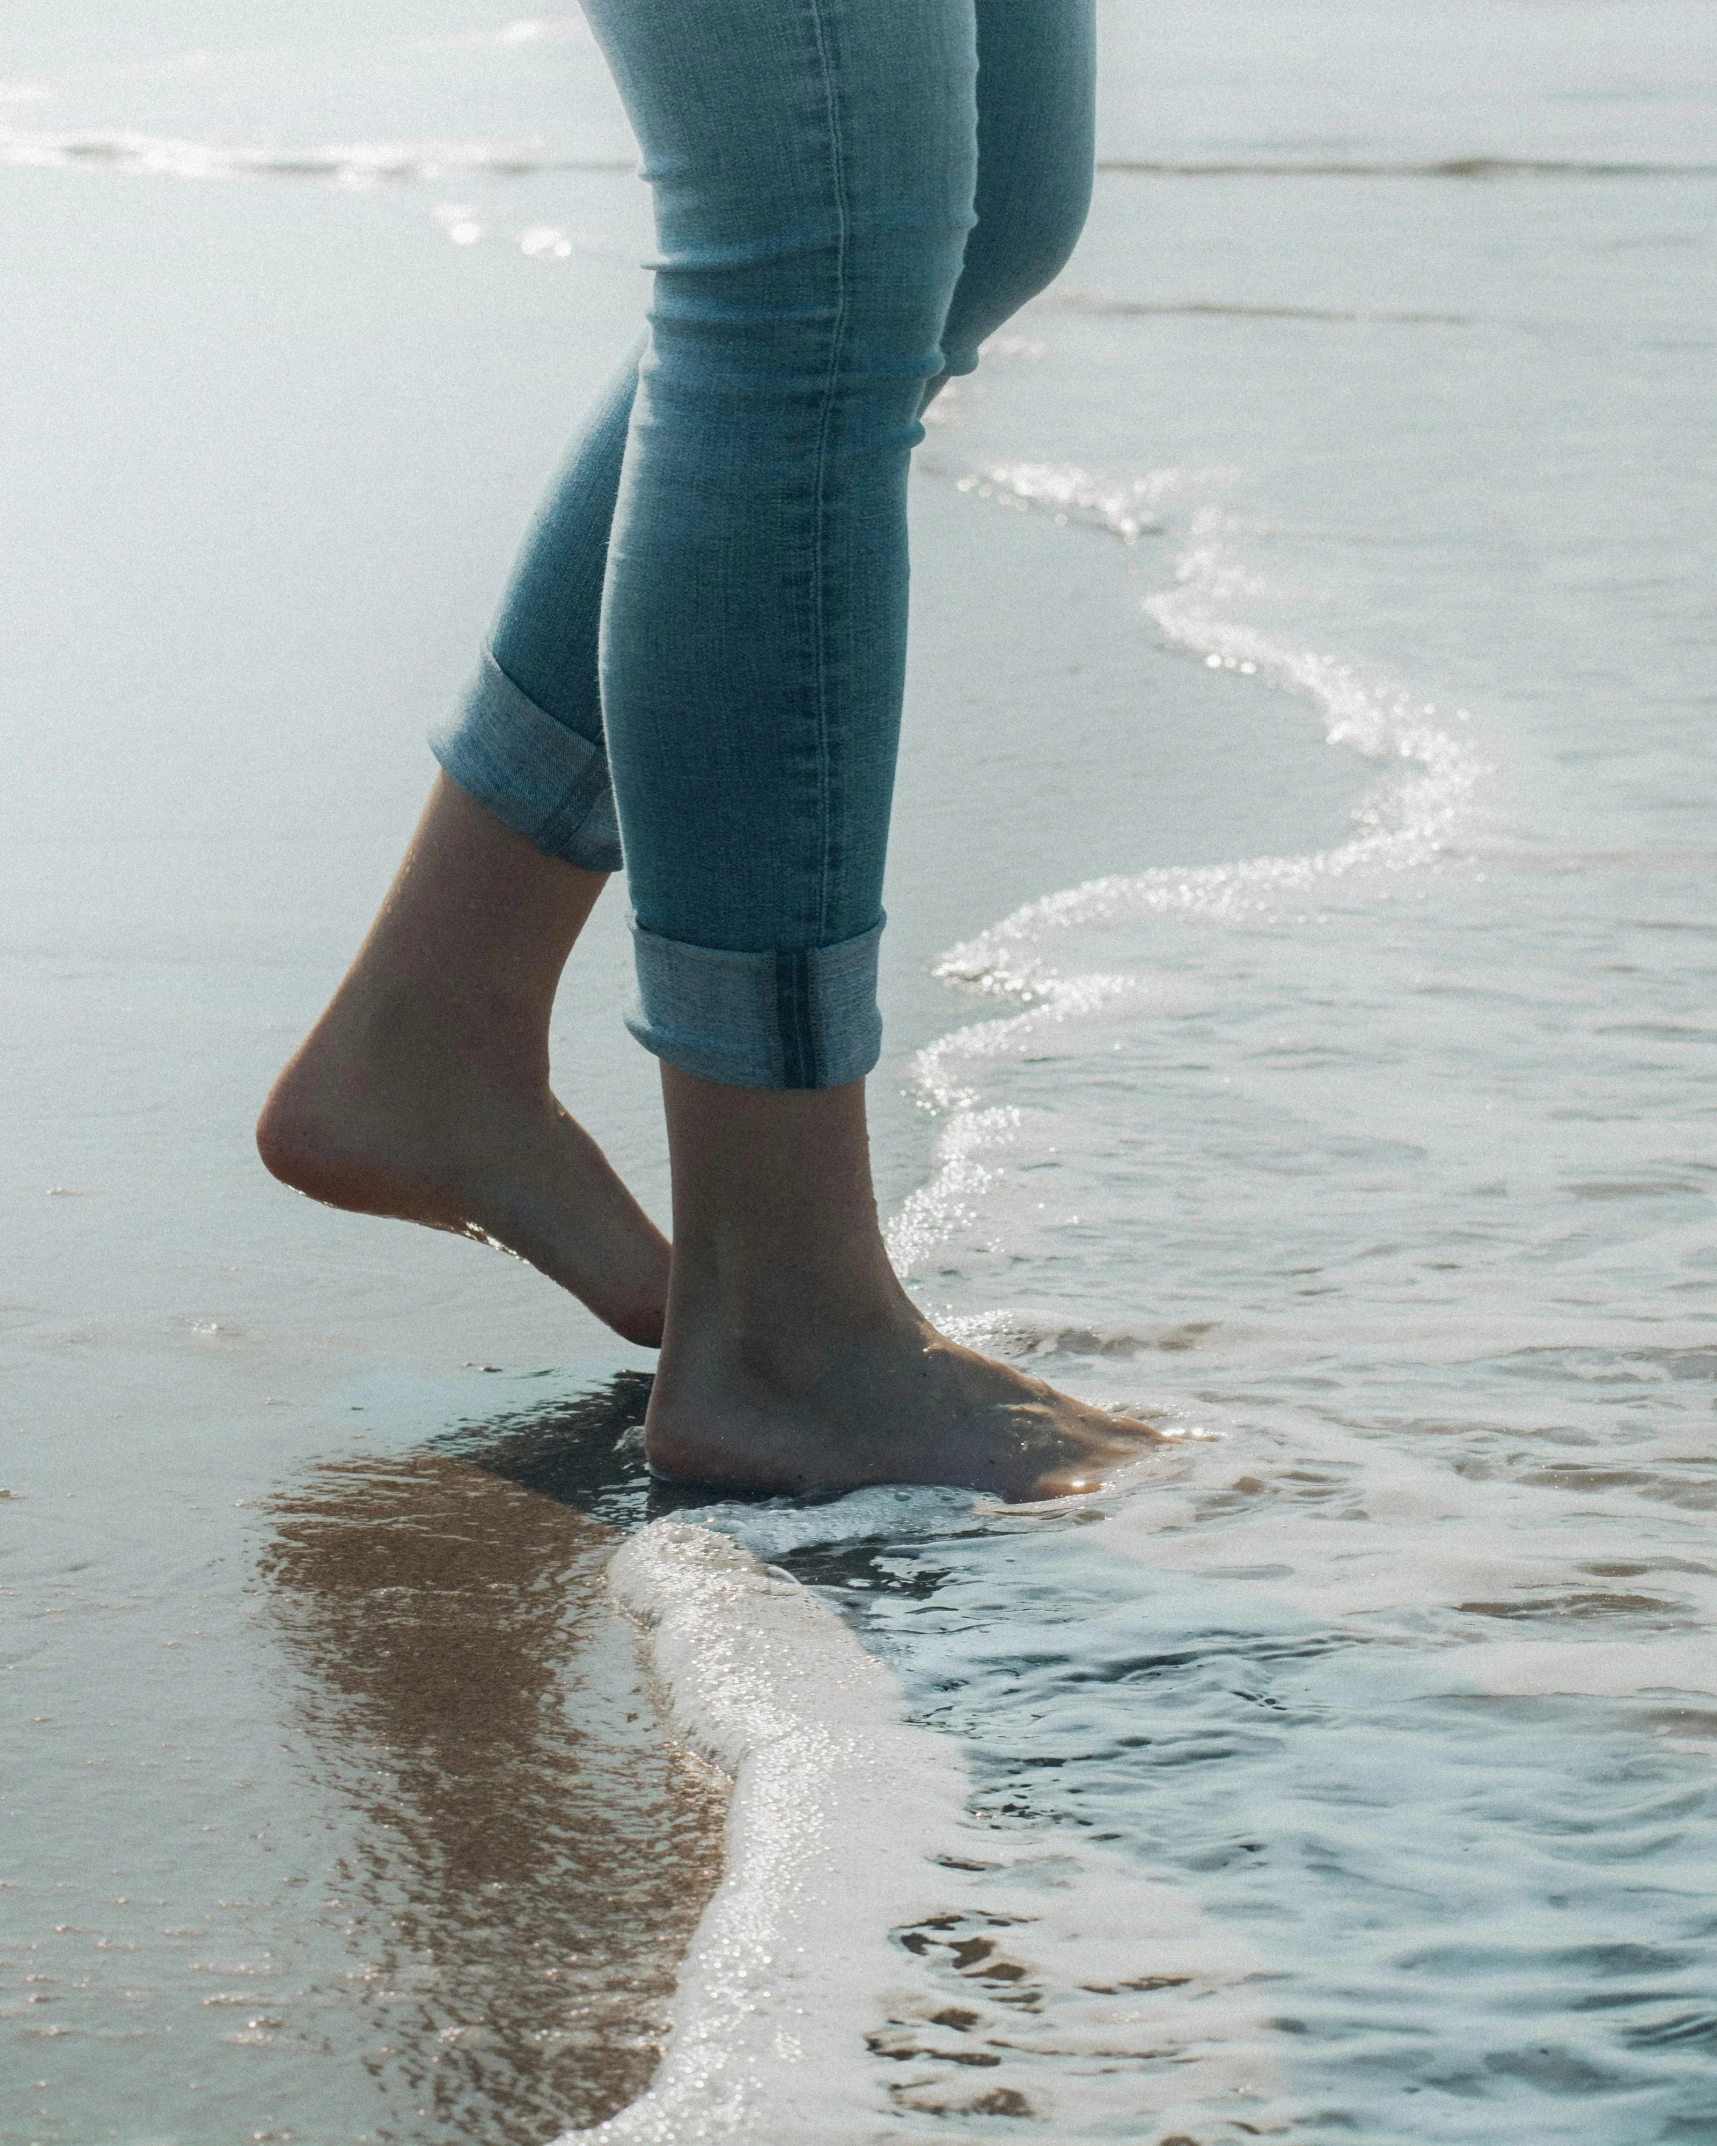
(539, 679)
(527, 748)
(794, 1357)
(812, 163)
(526, 741)
(422, 1091)
(751, 663)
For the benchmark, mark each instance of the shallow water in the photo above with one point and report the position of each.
(1383, 1172)
(1300, 1023)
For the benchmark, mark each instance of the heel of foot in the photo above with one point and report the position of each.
(524, 1177)
(285, 1143)
(313, 1148)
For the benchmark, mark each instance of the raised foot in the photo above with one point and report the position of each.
(900, 1406)
(370, 1117)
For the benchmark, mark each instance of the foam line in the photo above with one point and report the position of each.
(1406, 824)
(1116, 308)
(838, 1807)
(1452, 167)
(342, 163)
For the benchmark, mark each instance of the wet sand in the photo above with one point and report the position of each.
(531, 1855)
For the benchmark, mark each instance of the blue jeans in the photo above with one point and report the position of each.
(700, 658)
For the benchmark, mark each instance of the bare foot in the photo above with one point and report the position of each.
(423, 1090)
(388, 1110)
(793, 1359)
(826, 1407)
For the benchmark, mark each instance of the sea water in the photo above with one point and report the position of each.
(1300, 1010)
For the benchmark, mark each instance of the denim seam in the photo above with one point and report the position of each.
(843, 241)
(564, 822)
(792, 1012)
(808, 1010)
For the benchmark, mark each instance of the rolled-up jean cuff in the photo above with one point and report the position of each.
(787, 1020)
(546, 781)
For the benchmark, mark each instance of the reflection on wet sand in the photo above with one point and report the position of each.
(532, 1853)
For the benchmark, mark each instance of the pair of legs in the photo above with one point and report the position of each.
(700, 658)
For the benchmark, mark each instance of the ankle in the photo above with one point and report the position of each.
(779, 1324)
(415, 1032)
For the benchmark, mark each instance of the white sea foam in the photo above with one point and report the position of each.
(526, 30)
(1405, 824)
(350, 164)
(838, 1808)
(860, 1898)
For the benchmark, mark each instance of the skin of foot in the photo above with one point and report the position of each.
(423, 1090)
(794, 1361)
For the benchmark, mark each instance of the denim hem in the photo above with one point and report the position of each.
(544, 780)
(804, 1019)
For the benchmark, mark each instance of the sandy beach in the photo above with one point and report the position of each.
(345, 1803)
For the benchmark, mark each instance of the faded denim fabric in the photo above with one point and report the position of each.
(850, 195)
